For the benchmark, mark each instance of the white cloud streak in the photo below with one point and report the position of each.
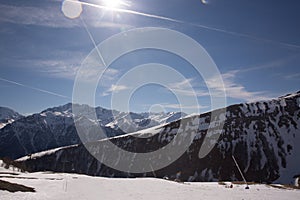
(235, 90)
(178, 106)
(272, 64)
(57, 68)
(35, 88)
(61, 64)
(231, 88)
(115, 89)
(186, 88)
(295, 76)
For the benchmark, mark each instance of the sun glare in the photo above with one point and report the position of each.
(113, 3)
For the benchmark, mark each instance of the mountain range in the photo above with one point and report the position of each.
(263, 136)
(55, 127)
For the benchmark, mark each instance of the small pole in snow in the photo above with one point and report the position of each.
(66, 188)
(153, 172)
(247, 186)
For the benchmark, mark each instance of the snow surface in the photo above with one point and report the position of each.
(60, 186)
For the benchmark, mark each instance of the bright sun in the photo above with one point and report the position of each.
(112, 3)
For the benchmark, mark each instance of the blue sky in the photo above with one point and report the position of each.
(255, 45)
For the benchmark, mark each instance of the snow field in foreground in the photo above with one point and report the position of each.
(61, 186)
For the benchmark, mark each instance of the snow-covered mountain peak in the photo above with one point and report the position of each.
(67, 108)
(8, 116)
(7, 113)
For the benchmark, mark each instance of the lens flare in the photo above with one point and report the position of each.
(204, 1)
(113, 3)
(71, 9)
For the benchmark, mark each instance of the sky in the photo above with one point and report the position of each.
(47, 46)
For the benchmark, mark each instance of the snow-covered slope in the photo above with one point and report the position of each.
(8, 116)
(54, 127)
(61, 186)
(263, 136)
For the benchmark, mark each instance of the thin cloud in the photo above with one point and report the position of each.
(120, 10)
(115, 89)
(34, 88)
(292, 76)
(49, 17)
(230, 86)
(59, 64)
(35, 16)
(235, 90)
(187, 88)
(282, 62)
(53, 17)
(178, 106)
(67, 67)
(183, 84)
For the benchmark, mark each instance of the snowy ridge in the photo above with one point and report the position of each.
(140, 134)
(43, 153)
